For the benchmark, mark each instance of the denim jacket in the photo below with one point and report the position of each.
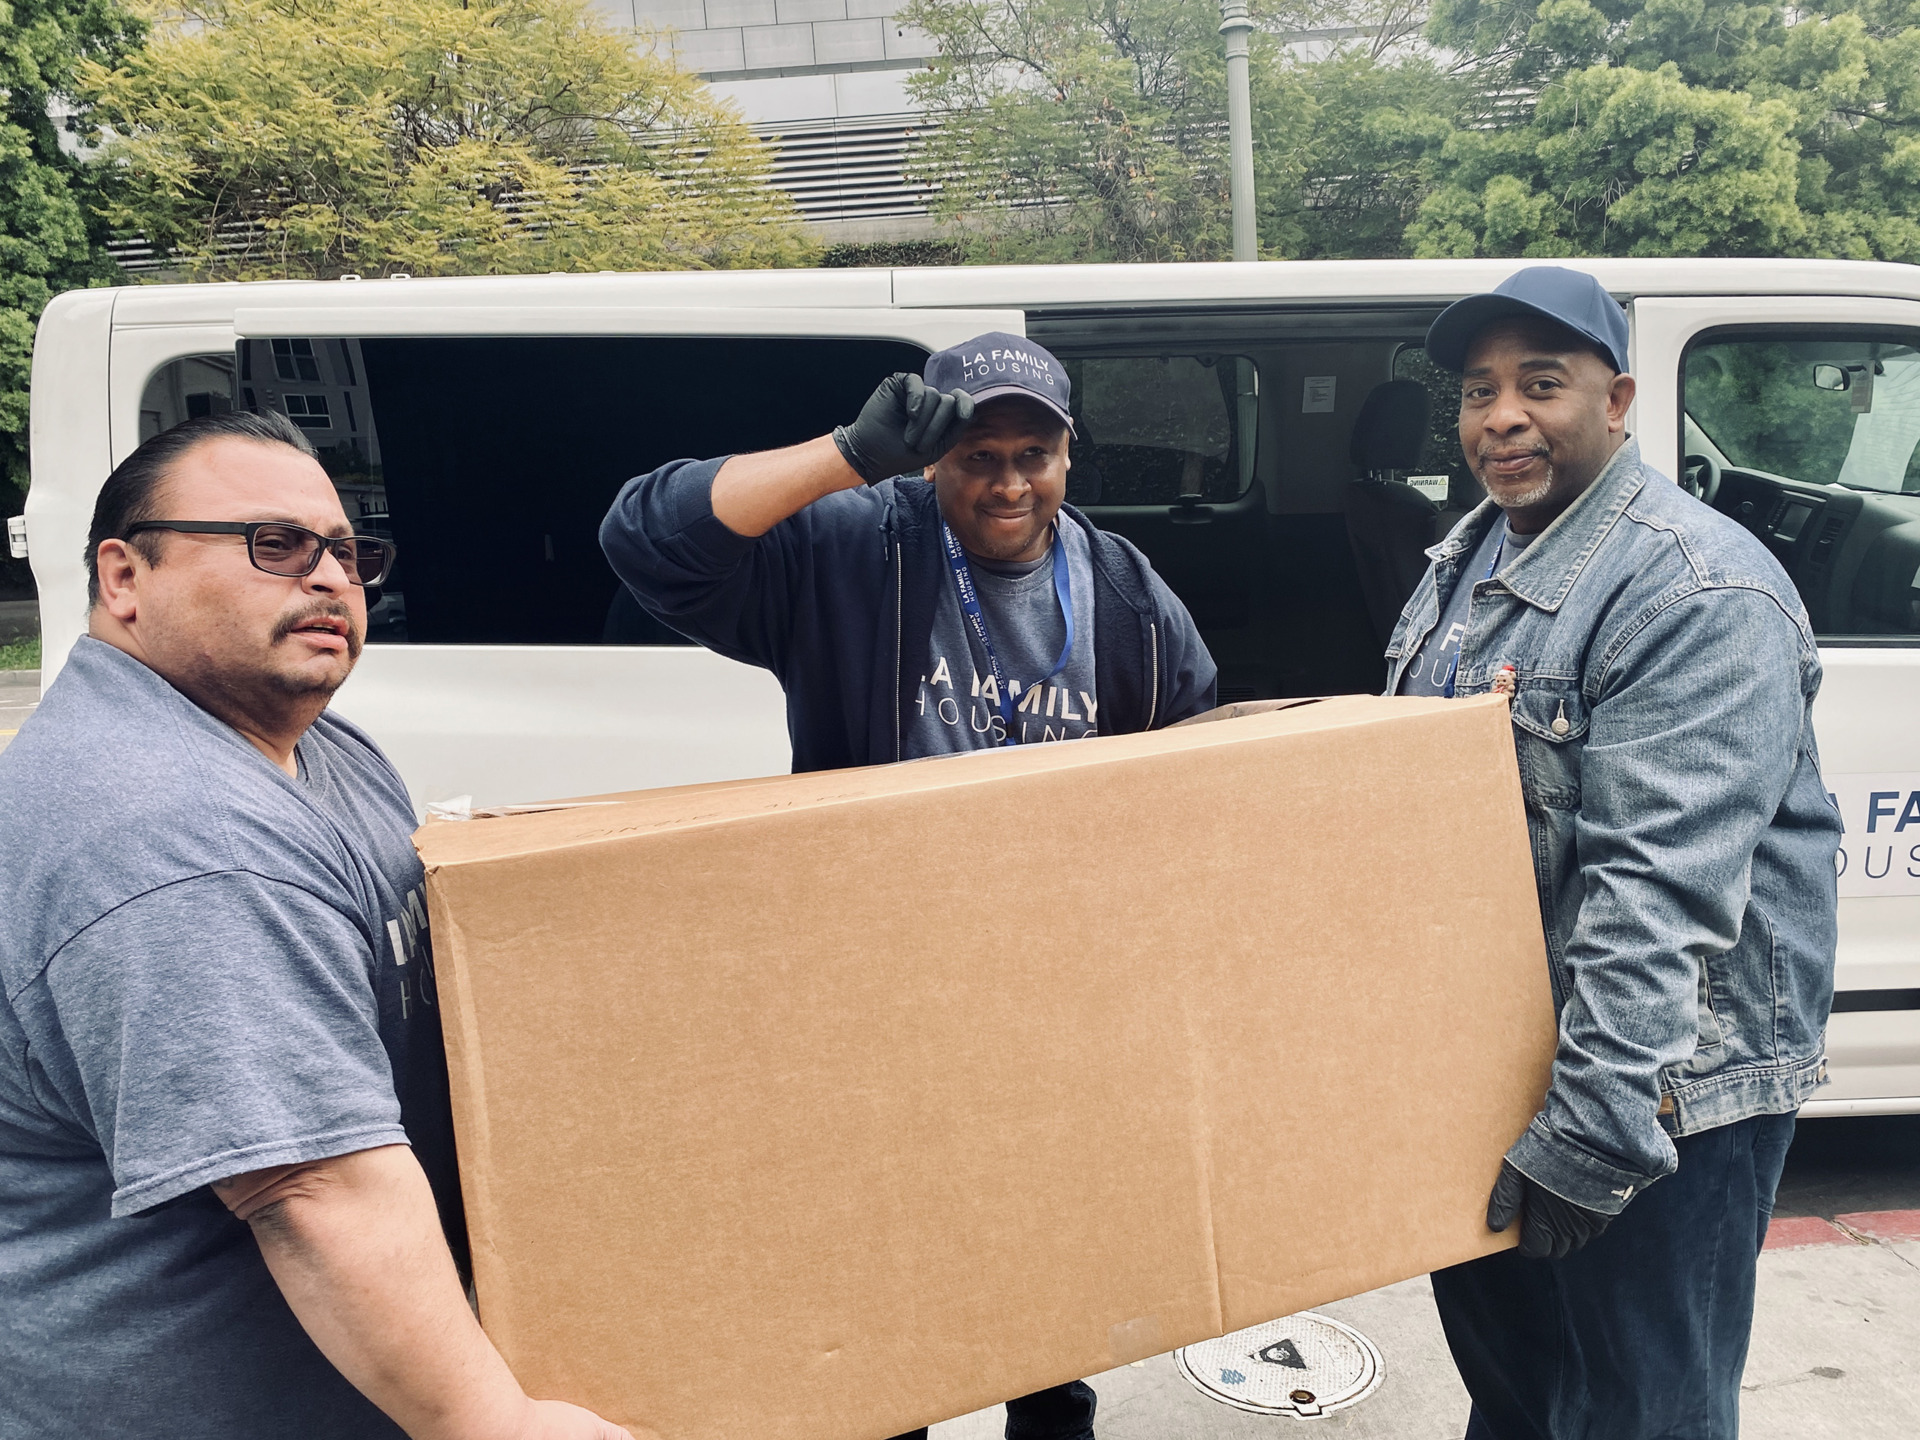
(1683, 842)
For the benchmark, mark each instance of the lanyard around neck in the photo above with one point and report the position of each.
(970, 607)
(1499, 553)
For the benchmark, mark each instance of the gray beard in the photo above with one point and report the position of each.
(1526, 497)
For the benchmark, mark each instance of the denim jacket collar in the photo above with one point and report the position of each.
(1545, 571)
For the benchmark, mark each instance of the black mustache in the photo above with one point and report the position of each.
(323, 609)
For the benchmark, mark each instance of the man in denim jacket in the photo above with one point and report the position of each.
(1663, 676)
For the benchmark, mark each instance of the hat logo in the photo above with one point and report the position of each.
(1022, 364)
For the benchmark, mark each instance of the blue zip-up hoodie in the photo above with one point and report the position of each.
(836, 600)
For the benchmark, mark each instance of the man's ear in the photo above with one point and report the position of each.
(1619, 398)
(119, 567)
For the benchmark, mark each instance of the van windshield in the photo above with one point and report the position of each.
(1822, 409)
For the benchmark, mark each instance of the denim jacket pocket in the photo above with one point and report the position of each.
(1550, 723)
(1712, 1036)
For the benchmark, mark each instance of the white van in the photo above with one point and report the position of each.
(1236, 421)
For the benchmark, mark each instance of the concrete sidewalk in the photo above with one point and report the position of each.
(1836, 1356)
(19, 693)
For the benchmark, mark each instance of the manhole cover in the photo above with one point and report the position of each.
(1304, 1365)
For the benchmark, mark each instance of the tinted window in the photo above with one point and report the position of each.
(184, 389)
(490, 462)
(1449, 481)
(1159, 429)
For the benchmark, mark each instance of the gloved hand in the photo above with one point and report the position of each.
(1549, 1226)
(904, 426)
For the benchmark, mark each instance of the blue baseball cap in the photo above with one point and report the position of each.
(995, 364)
(1571, 298)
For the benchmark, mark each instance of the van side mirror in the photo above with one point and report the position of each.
(1831, 377)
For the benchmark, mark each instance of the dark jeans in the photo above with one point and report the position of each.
(1063, 1413)
(1643, 1334)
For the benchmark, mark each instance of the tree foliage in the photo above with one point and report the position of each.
(1090, 129)
(1620, 161)
(1378, 121)
(310, 138)
(1094, 129)
(47, 237)
(1685, 127)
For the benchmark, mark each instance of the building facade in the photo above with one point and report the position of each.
(824, 82)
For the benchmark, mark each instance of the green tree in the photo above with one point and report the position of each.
(311, 138)
(1682, 127)
(1619, 161)
(1094, 129)
(48, 241)
(1378, 122)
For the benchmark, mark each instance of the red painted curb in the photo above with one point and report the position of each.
(1804, 1230)
(1883, 1224)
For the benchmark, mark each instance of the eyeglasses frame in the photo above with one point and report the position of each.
(251, 528)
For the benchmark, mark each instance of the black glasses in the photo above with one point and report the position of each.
(293, 550)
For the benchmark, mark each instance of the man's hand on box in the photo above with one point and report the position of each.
(904, 426)
(1550, 1227)
(557, 1420)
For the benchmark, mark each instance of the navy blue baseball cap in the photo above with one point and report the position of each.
(1567, 297)
(995, 364)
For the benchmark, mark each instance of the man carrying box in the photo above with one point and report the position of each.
(226, 1155)
(913, 614)
(1663, 673)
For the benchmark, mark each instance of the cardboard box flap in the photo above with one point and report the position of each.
(647, 811)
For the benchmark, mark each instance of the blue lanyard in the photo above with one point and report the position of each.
(970, 606)
(1499, 551)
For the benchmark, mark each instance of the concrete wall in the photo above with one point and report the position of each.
(741, 39)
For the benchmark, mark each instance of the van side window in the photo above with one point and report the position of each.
(186, 389)
(1810, 437)
(1160, 429)
(490, 462)
(1450, 484)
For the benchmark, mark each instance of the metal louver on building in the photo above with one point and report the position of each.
(849, 169)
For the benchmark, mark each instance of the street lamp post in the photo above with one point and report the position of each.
(1235, 23)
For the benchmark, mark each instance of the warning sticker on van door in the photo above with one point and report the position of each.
(1880, 845)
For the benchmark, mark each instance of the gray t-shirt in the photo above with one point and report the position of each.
(209, 967)
(1427, 672)
(956, 706)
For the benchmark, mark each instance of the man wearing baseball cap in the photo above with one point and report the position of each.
(918, 587)
(1662, 675)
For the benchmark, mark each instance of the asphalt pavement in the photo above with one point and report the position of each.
(1836, 1341)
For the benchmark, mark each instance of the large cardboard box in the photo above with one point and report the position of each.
(826, 1106)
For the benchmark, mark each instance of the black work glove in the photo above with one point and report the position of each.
(904, 426)
(1549, 1226)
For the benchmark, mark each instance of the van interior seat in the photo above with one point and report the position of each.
(1389, 523)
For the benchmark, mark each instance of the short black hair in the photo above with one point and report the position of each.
(131, 490)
